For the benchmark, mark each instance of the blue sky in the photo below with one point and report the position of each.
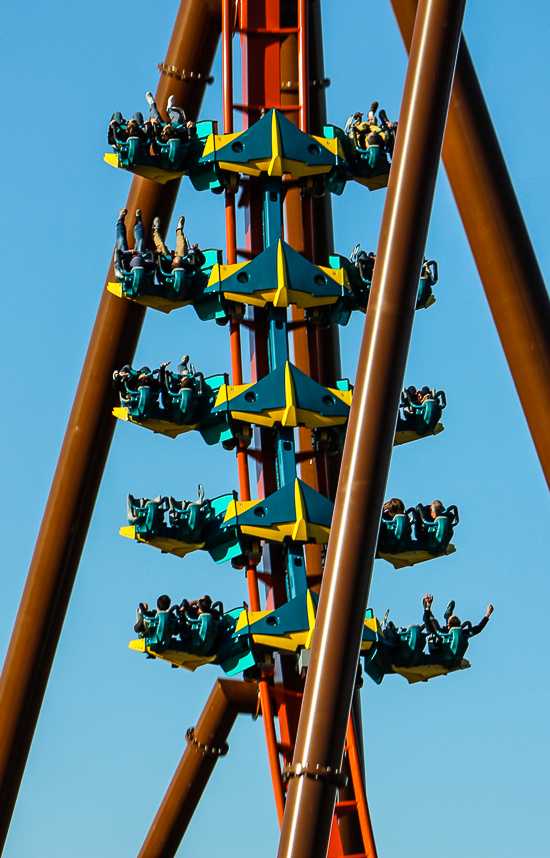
(457, 765)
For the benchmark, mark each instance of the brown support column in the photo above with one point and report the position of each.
(498, 238)
(367, 453)
(86, 445)
(227, 700)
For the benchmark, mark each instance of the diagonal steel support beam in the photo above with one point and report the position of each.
(367, 453)
(86, 445)
(228, 699)
(498, 238)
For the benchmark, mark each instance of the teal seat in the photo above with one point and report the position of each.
(395, 535)
(135, 148)
(141, 402)
(435, 534)
(410, 645)
(137, 281)
(147, 515)
(439, 534)
(161, 630)
(204, 631)
(453, 648)
(190, 517)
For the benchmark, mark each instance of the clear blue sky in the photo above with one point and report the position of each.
(457, 766)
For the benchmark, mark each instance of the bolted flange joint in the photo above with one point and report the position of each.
(206, 750)
(317, 773)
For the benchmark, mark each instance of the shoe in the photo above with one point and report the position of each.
(138, 214)
(181, 223)
(150, 98)
(425, 603)
(156, 223)
(450, 609)
(122, 214)
(170, 102)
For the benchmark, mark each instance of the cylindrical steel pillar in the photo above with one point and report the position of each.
(498, 238)
(86, 445)
(367, 453)
(227, 700)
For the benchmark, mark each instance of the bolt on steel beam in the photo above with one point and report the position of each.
(336, 643)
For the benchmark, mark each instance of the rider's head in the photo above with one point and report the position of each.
(436, 508)
(205, 604)
(163, 603)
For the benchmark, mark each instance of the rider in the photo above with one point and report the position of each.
(393, 507)
(185, 256)
(451, 621)
(179, 126)
(163, 605)
(126, 259)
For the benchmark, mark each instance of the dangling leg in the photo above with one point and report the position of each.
(121, 240)
(160, 246)
(182, 245)
(153, 109)
(139, 233)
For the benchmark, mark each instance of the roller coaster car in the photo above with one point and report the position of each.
(432, 538)
(178, 403)
(210, 525)
(162, 161)
(187, 520)
(369, 167)
(274, 146)
(177, 288)
(420, 413)
(225, 413)
(242, 639)
(401, 650)
(230, 529)
(180, 410)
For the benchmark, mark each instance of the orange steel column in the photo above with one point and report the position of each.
(303, 64)
(360, 794)
(227, 699)
(86, 445)
(498, 238)
(331, 677)
(231, 241)
(272, 750)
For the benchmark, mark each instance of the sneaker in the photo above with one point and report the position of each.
(450, 609)
(181, 223)
(138, 214)
(156, 223)
(122, 214)
(150, 98)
